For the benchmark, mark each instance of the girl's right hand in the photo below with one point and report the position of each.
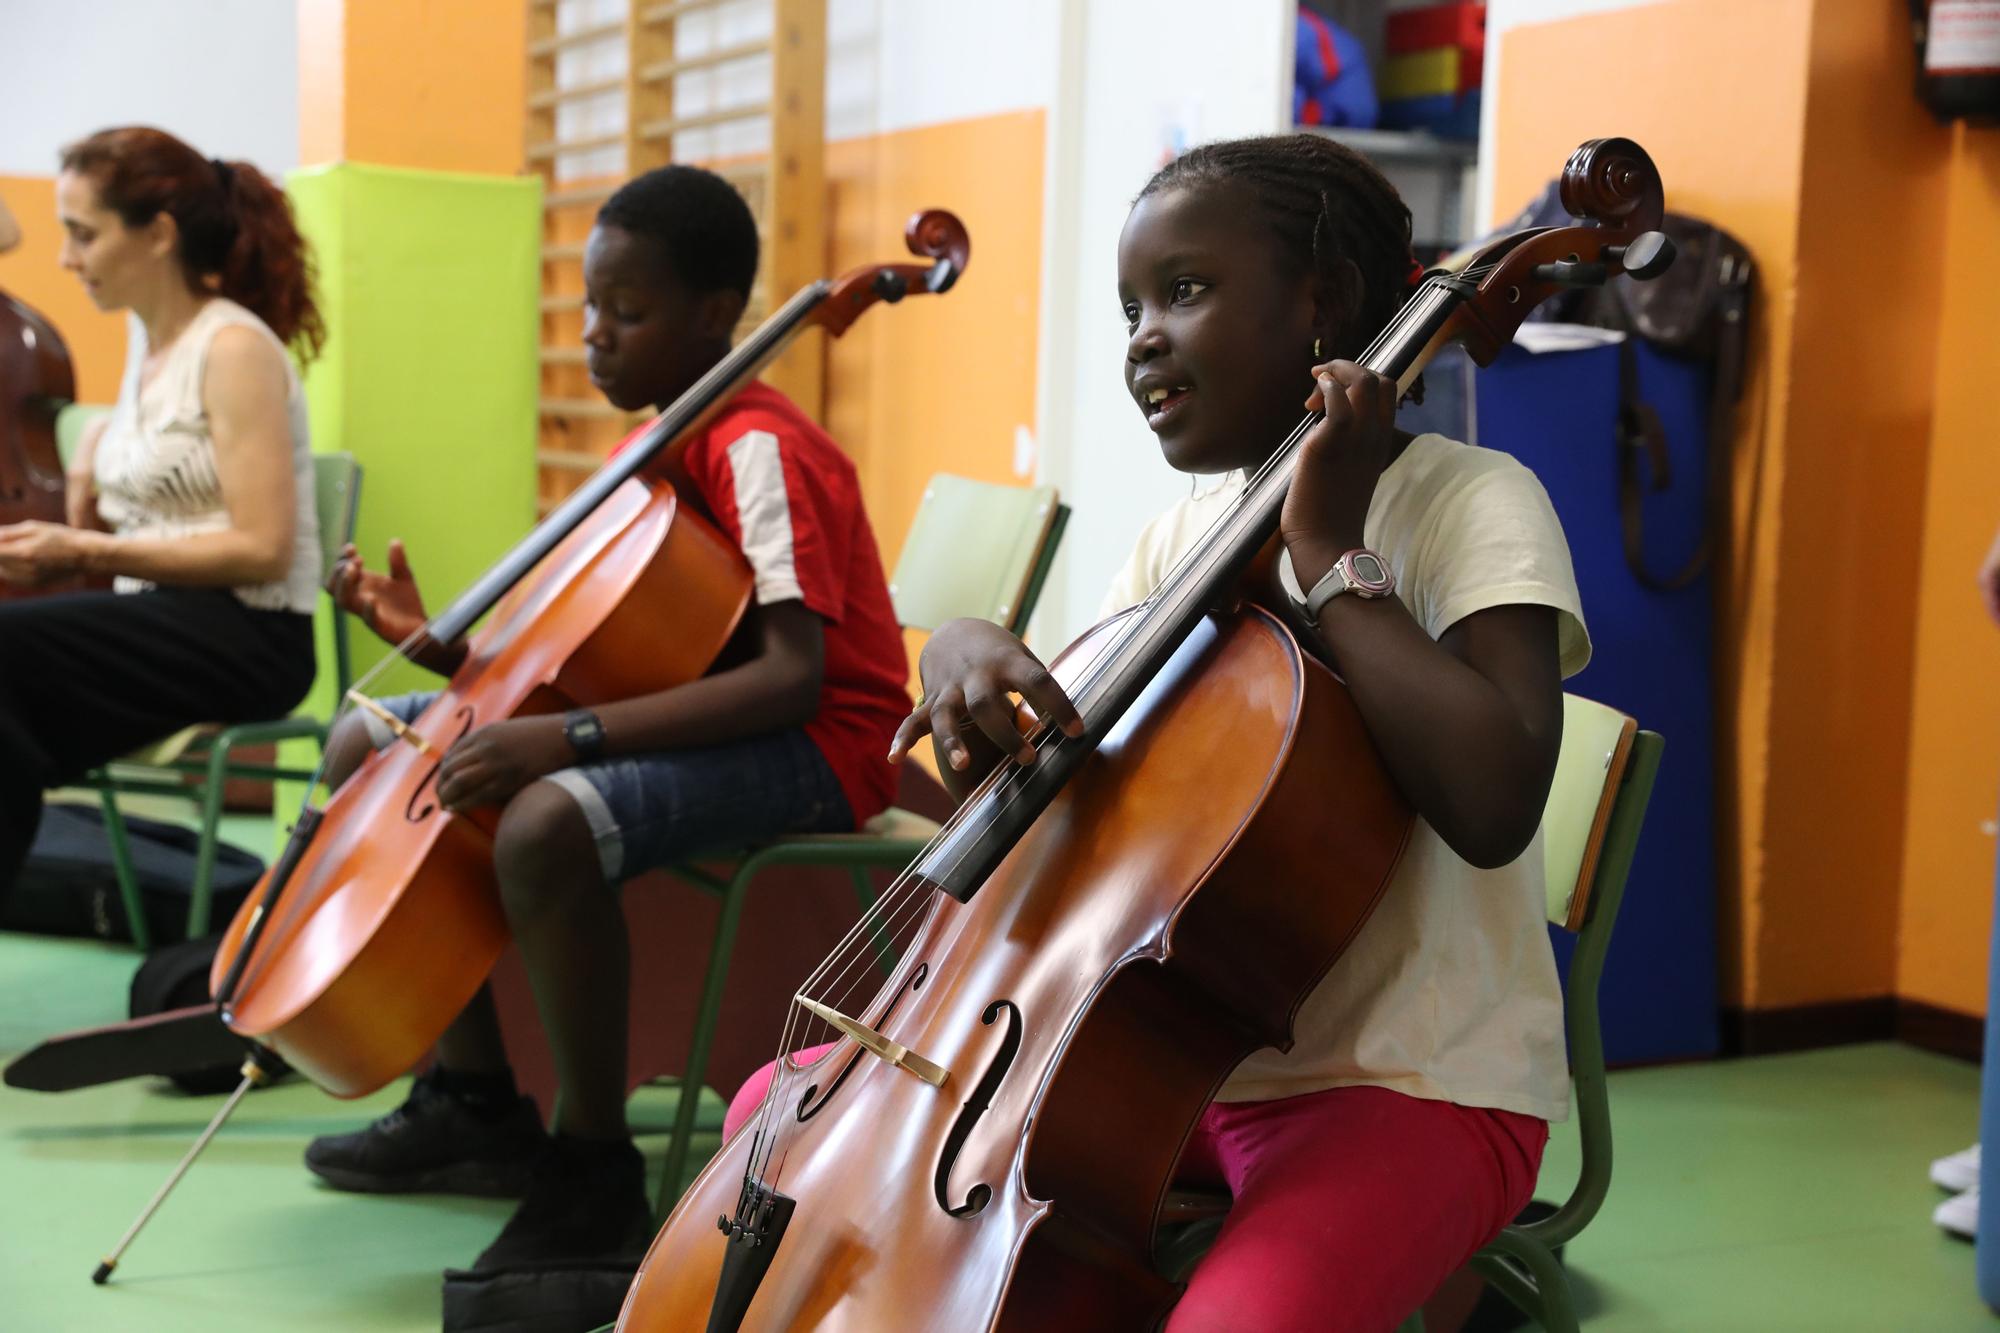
(388, 604)
(971, 669)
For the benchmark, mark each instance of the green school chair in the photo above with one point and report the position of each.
(1597, 804)
(162, 771)
(974, 549)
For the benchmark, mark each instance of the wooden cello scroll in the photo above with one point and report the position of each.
(1097, 937)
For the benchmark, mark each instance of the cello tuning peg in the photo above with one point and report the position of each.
(1649, 255)
(1572, 273)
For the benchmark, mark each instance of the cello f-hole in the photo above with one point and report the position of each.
(975, 1106)
(423, 801)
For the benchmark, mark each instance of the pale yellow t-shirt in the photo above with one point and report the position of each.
(1449, 992)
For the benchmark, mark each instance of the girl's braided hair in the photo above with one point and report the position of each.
(1325, 204)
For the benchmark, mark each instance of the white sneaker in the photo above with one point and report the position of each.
(1959, 1214)
(1960, 1171)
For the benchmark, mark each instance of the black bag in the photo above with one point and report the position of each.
(176, 977)
(69, 884)
(1698, 310)
(549, 1298)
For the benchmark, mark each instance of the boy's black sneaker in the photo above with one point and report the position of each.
(587, 1204)
(434, 1143)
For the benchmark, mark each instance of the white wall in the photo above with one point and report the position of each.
(891, 65)
(1137, 79)
(221, 74)
(1500, 16)
(897, 64)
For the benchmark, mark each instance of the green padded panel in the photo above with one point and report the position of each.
(70, 422)
(1591, 736)
(430, 284)
(971, 548)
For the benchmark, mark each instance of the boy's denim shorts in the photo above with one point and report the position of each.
(651, 810)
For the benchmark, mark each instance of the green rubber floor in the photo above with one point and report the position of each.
(249, 1240)
(1773, 1194)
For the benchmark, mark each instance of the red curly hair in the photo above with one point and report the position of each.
(237, 233)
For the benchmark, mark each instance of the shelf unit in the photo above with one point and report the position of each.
(1432, 174)
(619, 87)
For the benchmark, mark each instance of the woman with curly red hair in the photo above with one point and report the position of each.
(193, 497)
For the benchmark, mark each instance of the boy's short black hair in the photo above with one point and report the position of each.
(706, 233)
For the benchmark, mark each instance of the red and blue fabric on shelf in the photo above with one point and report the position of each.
(1333, 85)
(1436, 61)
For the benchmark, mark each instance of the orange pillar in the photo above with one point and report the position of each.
(433, 84)
(1954, 766)
(1791, 123)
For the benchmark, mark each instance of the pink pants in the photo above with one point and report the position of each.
(1351, 1205)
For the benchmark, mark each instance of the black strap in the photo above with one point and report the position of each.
(1642, 442)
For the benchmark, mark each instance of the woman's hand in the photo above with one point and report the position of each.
(971, 669)
(489, 765)
(35, 553)
(1340, 462)
(389, 604)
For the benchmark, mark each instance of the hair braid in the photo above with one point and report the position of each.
(1327, 206)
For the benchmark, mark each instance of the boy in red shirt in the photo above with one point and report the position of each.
(787, 738)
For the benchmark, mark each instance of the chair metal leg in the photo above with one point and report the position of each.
(1541, 1291)
(121, 863)
(727, 921)
(864, 893)
(199, 905)
(1175, 1260)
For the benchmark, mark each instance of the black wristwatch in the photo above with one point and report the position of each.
(585, 734)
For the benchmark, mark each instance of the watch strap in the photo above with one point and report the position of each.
(585, 734)
(1338, 579)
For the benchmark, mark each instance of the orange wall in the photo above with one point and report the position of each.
(1856, 439)
(1804, 115)
(1954, 767)
(937, 383)
(96, 339)
(439, 85)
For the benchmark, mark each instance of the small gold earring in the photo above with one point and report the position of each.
(1315, 349)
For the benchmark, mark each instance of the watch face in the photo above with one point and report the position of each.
(1368, 569)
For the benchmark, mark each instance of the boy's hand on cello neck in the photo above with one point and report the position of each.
(390, 605)
(971, 669)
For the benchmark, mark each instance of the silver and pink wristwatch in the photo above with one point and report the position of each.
(1361, 571)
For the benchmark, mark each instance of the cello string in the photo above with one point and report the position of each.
(1191, 569)
(892, 905)
(1172, 592)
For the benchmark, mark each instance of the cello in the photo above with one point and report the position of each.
(1098, 936)
(36, 382)
(380, 917)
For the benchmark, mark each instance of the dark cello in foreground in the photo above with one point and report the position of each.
(36, 381)
(1098, 937)
(381, 917)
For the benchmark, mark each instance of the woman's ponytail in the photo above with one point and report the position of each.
(238, 237)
